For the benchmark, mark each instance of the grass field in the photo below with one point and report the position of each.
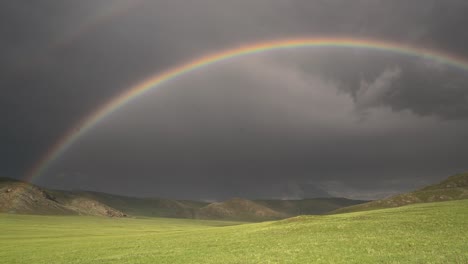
(422, 233)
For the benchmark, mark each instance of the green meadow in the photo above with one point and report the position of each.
(422, 233)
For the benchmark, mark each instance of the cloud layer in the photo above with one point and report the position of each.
(269, 125)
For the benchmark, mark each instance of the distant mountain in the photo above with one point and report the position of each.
(239, 209)
(312, 206)
(453, 188)
(149, 207)
(24, 198)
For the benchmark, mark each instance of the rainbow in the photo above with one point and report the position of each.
(85, 124)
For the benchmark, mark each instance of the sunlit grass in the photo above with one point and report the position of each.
(423, 233)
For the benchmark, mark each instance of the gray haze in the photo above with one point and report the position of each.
(284, 124)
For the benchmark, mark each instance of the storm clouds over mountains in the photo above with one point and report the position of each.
(292, 123)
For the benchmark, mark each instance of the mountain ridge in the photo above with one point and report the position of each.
(24, 198)
(17, 196)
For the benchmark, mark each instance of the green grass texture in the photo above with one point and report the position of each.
(420, 233)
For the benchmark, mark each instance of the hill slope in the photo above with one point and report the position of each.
(420, 233)
(239, 209)
(150, 207)
(24, 198)
(312, 206)
(453, 188)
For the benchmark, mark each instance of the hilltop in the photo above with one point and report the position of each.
(24, 198)
(149, 207)
(239, 209)
(453, 188)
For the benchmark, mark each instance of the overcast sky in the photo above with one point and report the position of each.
(281, 124)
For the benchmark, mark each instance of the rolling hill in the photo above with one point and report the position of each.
(418, 233)
(313, 206)
(24, 198)
(149, 207)
(239, 209)
(453, 188)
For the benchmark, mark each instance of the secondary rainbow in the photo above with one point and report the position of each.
(158, 79)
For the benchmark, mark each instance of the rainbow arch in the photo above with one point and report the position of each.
(85, 124)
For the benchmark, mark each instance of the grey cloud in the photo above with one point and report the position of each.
(371, 94)
(256, 124)
(426, 87)
(278, 119)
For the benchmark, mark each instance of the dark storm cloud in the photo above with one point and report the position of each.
(423, 86)
(238, 125)
(282, 122)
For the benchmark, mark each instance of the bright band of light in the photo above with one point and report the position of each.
(158, 79)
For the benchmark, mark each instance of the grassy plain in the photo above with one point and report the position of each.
(421, 233)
